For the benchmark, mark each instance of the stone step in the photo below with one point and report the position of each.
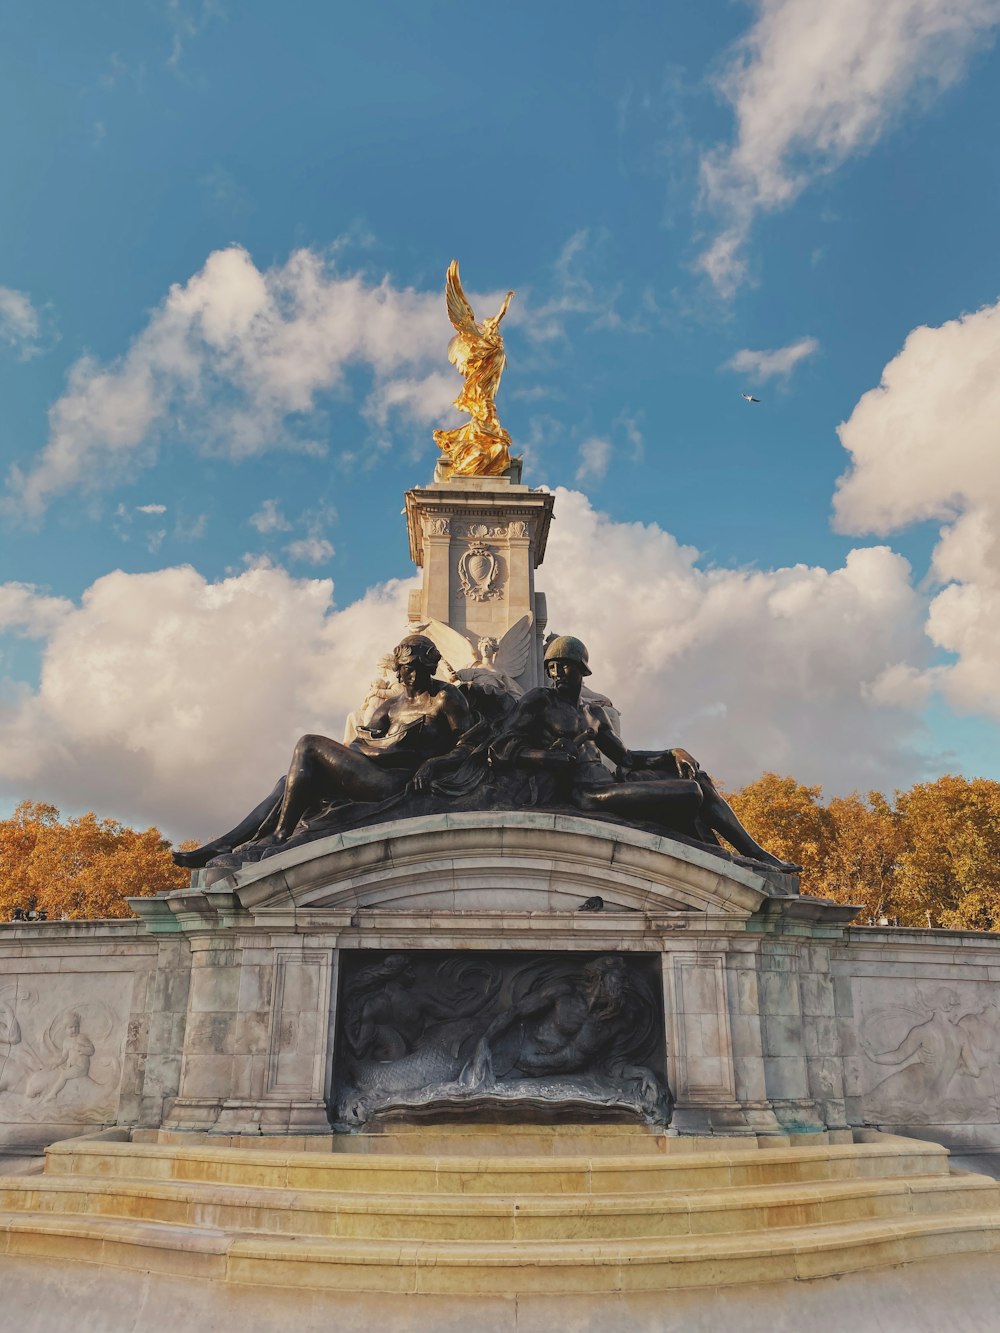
(466, 1141)
(493, 1140)
(447, 1217)
(886, 1158)
(499, 1268)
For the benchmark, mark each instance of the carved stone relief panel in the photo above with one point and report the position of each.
(436, 527)
(481, 573)
(702, 1065)
(431, 1032)
(930, 1052)
(480, 531)
(62, 1039)
(299, 1023)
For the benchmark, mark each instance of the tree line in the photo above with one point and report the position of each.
(930, 856)
(80, 867)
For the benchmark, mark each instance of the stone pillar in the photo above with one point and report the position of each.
(746, 1028)
(258, 1053)
(209, 1066)
(786, 1065)
(167, 1006)
(296, 1075)
(478, 541)
(824, 1049)
(254, 1010)
(700, 1065)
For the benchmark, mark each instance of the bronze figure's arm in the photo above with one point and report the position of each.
(456, 712)
(608, 741)
(523, 739)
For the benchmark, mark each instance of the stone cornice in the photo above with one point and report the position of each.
(484, 499)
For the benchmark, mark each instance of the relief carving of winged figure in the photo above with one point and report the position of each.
(480, 448)
(491, 665)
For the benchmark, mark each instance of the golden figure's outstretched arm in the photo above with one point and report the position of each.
(503, 310)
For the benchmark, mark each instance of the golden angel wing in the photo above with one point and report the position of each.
(459, 310)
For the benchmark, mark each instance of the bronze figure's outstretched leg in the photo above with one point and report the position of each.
(720, 816)
(322, 768)
(716, 813)
(679, 799)
(243, 832)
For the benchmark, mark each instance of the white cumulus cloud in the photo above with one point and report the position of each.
(595, 457)
(925, 445)
(811, 85)
(225, 361)
(167, 698)
(312, 550)
(20, 323)
(269, 518)
(775, 364)
(239, 360)
(749, 669)
(30, 613)
(426, 399)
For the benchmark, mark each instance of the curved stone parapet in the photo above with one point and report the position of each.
(498, 860)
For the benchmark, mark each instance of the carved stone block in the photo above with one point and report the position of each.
(62, 1052)
(297, 1050)
(930, 1053)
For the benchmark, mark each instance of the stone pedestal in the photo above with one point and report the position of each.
(478, 542)
(726, 957)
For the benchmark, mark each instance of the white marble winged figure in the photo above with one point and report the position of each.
(492, 664)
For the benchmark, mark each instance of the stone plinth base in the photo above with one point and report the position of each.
(425, 933)
(249, 1117)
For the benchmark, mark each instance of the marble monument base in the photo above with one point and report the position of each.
(444, 965)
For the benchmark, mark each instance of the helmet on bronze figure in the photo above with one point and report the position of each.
(566, 648)
(417, 648)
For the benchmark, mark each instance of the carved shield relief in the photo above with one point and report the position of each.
(480, 573)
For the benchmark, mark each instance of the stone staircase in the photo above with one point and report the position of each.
(497, 1210)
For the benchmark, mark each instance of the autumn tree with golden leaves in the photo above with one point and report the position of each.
(83, 867)
(788, 819)
(930, 858)
(861, 863)
(949, 873)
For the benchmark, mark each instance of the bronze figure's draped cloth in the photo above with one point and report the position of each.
(480, 448)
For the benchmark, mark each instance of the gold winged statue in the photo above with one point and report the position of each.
(480, 448)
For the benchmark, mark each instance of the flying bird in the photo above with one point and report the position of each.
(749, 397)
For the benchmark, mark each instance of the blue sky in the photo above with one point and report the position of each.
(671, 189)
